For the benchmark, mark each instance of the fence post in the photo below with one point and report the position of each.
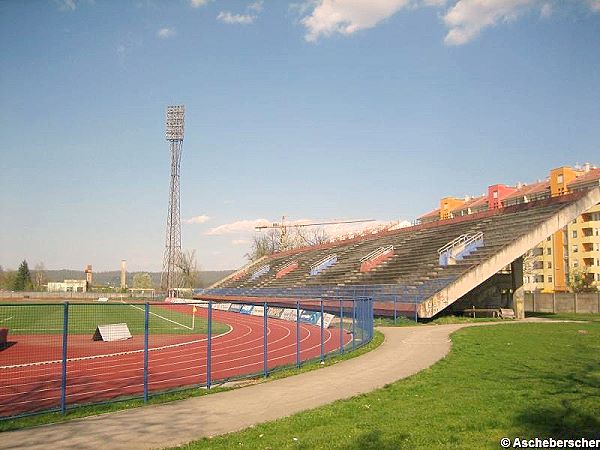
(341, 326)
(533, 301)
(298, 333)
(322, 333)
(370, 305)
(395, 311)
(575, 302)
(146, 327)
(353, 322)
(209, 345)
(265, 320)
(553, 302)
(63, 384)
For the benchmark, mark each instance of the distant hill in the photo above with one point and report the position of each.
(112, 278)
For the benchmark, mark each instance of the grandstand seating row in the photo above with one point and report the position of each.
(410, 275)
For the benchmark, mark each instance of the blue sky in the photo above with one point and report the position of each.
(316, 110)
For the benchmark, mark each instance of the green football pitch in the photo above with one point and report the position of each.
(84, 318)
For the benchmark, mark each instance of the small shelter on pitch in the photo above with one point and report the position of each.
(112, 332)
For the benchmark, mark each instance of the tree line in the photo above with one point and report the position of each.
(23, 279)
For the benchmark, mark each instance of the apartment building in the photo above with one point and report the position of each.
(573, 250)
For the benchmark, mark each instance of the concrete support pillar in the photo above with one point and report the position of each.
(518, 303)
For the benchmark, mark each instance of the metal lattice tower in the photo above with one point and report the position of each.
(171, 276)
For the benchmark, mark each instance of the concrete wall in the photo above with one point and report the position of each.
(588, 302)
(489, 294)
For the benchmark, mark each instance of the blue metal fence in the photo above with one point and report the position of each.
(60, 356)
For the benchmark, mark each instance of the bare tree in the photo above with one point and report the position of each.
(39, 276)
(264, 244)
(312, 235)
(274, 240)
(189, 270)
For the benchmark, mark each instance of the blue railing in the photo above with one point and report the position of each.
(326, 262)
(260, 272)
(460, 247)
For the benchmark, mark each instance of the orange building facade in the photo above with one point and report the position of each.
(551, 265)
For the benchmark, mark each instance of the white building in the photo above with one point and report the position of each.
(67, 286)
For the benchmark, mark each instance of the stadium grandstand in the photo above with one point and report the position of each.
(466, 253)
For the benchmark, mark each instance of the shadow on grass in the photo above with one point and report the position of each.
(374, 440)
(564, 422)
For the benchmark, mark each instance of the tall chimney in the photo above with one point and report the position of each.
(88, 275)
(123, 274)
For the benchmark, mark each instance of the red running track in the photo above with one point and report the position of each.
(30, 370)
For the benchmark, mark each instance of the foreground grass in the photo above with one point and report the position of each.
(523, 380)
(93, 410)
(402, 321)
(588, 317)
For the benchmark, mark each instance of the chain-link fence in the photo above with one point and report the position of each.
(55, 357)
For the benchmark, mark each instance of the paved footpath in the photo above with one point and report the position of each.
(405, 351)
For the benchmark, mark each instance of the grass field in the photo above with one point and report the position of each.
(589, 317)
(522, 380)
(402, 321)
(83, 319)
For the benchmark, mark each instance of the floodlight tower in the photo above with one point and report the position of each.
(171, 275)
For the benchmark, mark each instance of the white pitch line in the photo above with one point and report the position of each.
(108, 355)
(161, 317)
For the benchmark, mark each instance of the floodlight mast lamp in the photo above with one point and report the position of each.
(171, 275)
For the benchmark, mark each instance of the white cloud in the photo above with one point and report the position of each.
(199, 3)
(468, 17)
(197, 219)
(241, 226)
(238, 19)
(165, 33)
(245, 228)
(465, 19)
(547, 10)
(346, 17)
(67, 5)
(252, 12)
(256, 6)
(71, 5)
(353, 229)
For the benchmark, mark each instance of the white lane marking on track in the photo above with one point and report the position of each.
(287, 327)
(108, 355)
(169, 379)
